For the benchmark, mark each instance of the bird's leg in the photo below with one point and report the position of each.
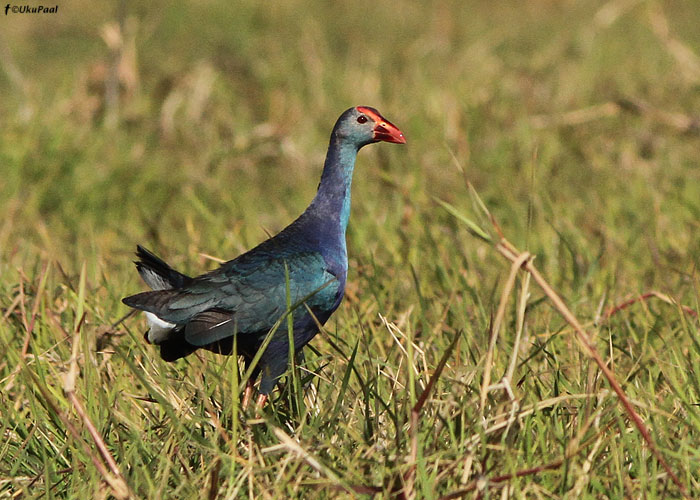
(247, 393)
(260, 403)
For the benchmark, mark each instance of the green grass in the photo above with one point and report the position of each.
(219, 138)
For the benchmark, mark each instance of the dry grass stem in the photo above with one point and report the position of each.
(507, 289)
(506, 249)
(645, 296)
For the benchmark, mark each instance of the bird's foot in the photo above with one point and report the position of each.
(247, 394)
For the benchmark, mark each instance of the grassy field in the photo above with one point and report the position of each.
(198, 128)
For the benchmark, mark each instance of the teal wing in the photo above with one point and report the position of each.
(248, 294)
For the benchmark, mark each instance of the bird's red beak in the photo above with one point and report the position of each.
(384, 130)
(388, 132)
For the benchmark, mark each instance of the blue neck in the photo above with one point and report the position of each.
(331, 205)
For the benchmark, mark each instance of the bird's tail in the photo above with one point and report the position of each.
(157, 273)
(163, 279)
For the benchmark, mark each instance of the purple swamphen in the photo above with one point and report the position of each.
(306, 263)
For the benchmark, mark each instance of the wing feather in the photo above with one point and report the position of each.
(244, 295)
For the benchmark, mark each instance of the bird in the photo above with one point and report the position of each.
(305, 265)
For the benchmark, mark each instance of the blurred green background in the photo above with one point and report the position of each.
(231, 103)
(197, 128)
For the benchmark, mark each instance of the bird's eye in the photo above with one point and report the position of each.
(362, 119)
